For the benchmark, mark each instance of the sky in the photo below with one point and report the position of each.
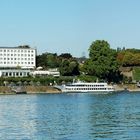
(69, 26)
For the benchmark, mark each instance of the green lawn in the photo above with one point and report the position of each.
(136, 73)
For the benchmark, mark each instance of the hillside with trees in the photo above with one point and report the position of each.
(129, 57)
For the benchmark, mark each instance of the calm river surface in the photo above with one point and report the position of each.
(70, 117)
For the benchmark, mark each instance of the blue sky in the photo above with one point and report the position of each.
(69, 26)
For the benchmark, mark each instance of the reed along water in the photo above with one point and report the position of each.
(70, 116)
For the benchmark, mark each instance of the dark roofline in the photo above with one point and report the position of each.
(15, 48)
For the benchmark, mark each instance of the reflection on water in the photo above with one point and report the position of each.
(70, 116)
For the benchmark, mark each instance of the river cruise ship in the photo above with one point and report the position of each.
(87, 87)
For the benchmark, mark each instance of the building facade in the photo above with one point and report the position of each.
(12, 57)
(17, 61)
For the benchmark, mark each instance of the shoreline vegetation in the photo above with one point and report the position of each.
(6, 90)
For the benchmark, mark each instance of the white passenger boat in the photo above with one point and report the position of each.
(87, 87)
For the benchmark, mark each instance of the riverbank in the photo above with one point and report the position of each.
(128, 87)
(30, 89)
(50, 89)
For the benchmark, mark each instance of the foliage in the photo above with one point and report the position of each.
(129, 57)
(136, 73)
(102, 61)
(34, 81)
(65, 55)
(69, 68)
(48, 60)
(87, 78)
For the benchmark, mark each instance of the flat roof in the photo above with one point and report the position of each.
(15, 47)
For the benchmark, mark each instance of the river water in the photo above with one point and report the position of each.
(70, 117)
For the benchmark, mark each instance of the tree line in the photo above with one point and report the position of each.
(129, 57)
(103, 62)
(68, 65)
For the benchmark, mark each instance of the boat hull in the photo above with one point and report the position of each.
(93, 92)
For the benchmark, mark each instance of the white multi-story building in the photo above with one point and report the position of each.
(17, 57)
(23, 58)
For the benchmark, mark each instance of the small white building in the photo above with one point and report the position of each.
(52, 72)
(17, 61)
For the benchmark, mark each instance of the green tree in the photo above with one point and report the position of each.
(48, 60)
(52, 60)
(102, 61)
(129, 57)
(65, 55)
(69, 68)
(41, 60)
